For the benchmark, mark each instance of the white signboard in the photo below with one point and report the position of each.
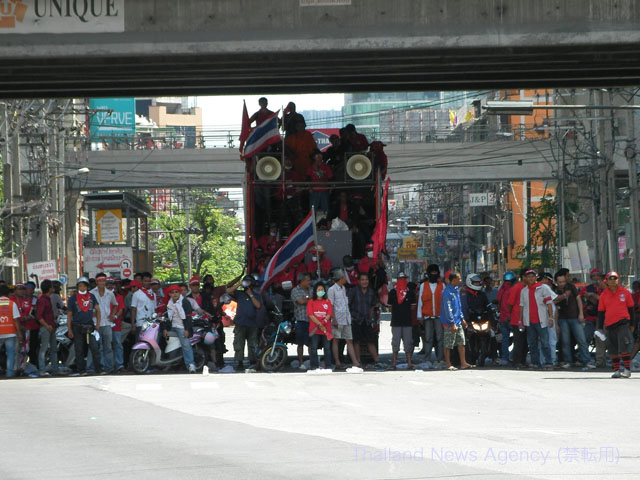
(61, 16)
(39, 271)
(486, 199)
(111, 260)
(583, 250)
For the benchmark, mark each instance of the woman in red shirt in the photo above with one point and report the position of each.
(320, 311)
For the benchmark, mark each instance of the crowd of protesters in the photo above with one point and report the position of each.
(545, 321)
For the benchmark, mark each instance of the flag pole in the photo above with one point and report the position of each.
(315, 240)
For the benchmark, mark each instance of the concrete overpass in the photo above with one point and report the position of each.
(408, 163)
(153, 47)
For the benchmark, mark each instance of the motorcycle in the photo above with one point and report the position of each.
(481, 335)
(274, 352)
(146, 353)
(66, 352)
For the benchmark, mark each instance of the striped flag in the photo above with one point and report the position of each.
(291, 252)
(246, 128)
(262, 136)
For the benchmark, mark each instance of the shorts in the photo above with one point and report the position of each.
(619, 338)
(363, 333)
(452, 339)
(402, 333)
(302, 333)
(342, 332)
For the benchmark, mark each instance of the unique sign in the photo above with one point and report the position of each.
(112, 260)
(109, 225)
(407, 253)
(411, 242)
(39, 271)
(61, 16)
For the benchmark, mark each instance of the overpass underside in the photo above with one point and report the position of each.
(322, 71)
(164, 47)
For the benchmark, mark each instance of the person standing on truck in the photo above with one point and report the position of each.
(262, 114)
(299, 146)
(319, 172)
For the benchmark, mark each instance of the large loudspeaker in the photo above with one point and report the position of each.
(268, 168)
(359, 167)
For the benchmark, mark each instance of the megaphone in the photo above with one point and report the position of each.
(268, 168)
(359, 167)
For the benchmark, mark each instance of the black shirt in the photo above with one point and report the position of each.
(401, 313)
(568, 308)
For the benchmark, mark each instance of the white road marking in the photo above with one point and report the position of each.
(204, 386)
(149, 386)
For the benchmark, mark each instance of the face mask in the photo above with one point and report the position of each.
(349, 268)
(433, 277)
(370, 254)
(320, 293)
(246, 284)
(314, 258)
(273, 234)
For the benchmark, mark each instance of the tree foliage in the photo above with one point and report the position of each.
(541, 250)
(214, 245)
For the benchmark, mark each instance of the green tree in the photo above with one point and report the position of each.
(214, 245)
(541, 250)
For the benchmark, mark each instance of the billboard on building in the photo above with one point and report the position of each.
(112, 117)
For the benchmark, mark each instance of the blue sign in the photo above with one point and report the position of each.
(63, 279)
(112, 117)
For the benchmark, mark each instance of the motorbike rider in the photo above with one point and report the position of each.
(179, 311)
(474, 301)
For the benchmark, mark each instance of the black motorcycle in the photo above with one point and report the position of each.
(481, 334)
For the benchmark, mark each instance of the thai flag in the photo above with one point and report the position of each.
(291, 252)
(262, 136)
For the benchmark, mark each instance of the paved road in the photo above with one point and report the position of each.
(472, 424)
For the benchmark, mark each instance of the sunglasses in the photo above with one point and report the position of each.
(613, 278)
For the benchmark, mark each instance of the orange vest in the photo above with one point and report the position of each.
(427, 299)
(7, 325)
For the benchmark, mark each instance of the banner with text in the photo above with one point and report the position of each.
(61, 16)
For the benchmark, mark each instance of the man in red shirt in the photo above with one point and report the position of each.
(505, 317)
(616, 315)
(517, 328)
(319, 173)
(317, 255)
(116, 343)
(270, 243)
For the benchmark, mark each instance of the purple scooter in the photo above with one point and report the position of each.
(146, 353)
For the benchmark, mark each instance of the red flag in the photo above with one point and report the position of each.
(379, 236)
(246, 129)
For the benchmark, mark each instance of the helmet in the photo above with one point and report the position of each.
(84, 280)
(509, 277)
(210, 337)
(474, 282)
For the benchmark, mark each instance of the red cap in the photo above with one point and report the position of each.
(611, 274)
(447, 273)
(369, 246)
(19, 285)
(174, 288)
(155, 280)
(531, 271)
(195, 280)
(135, 283)
(595, 271)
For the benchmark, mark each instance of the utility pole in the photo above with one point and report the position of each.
(634, 198)
(187, 207)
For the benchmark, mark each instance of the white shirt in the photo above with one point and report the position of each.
(104, 303)
(544, 296)
(145, 307)
(337, 295)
